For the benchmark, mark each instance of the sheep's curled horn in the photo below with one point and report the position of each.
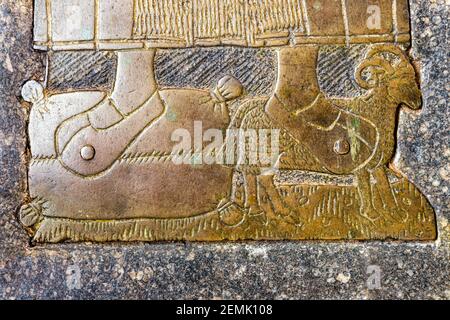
(374, 59)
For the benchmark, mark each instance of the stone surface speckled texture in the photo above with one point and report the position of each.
(239, 270)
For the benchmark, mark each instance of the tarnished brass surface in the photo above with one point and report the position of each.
(111, 165)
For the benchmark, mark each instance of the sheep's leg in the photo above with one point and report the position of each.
(238, 189)
(280, 207)
(385, 189)
(387, 195)
(231, 210)
(266, 181)
(365, 195)
(251, 188)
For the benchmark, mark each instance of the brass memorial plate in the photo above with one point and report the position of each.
(212, 120)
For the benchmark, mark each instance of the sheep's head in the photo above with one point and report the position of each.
(387, 67)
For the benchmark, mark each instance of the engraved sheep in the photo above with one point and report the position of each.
(390, 81)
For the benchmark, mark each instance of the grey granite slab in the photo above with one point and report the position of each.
(284, 270)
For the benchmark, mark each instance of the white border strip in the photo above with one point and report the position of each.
(346, 24)
(305, 17)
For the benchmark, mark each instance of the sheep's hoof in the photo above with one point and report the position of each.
(370, 214)
(231, 215)
(31, 213)
(293, 219)
(399, 215)
(286, 214)
(254, 210)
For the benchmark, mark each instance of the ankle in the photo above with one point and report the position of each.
(135, 80)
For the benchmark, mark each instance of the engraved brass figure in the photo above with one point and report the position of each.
(104, 161)
(389, 84)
